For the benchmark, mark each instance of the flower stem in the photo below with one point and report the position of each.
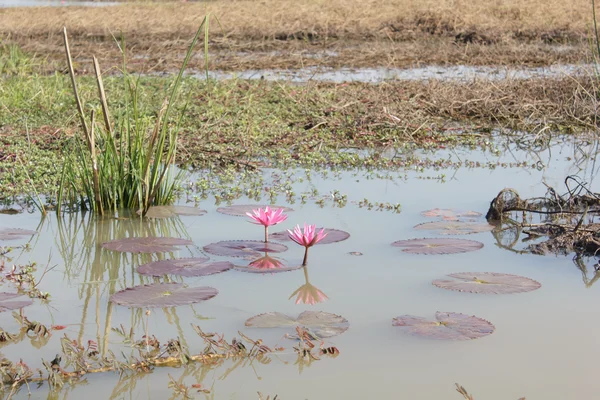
(305, 257)
(266, 234)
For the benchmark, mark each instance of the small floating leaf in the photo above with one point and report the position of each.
(355, 253)
(15, 233)
(7, 304)
(162, 295)
(243, 248)
(449, 326)
(455, 227)
(241, 209)
(267, 265)
(197, 266)
(438, 245)
(322, 324)
(171, 211)
(449, 213)
(333, 236)
(149, 244)
(488, 282)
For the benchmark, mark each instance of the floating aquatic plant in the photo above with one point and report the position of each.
(455, 227)
(332, 236)
(197, 266)
(307, 293)
(242, 210)
(162, 295)
(150, 244)
(243, 248)
(6, 302)
(437, 245)
(487, 282)
(267, 217)
(450, 214)
(307, 238)
(15, 233)
(448, 326)
(319, 323)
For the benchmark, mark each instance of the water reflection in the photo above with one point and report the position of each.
(266, 263)
(307, 293)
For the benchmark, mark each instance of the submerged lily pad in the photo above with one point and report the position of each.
(333, 236)
(197, 266)
(162, 295)
(171, 211)
(448, 326)
(320, 323)
(15, 233)
(7, 304)
(241, 209)
(455, 227)
(243, 248)
(267, 265)
(488, 282)
(438, 245)
(150, 244)
(449, 213)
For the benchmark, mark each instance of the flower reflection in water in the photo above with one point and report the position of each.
(266, 262)
(307, 293)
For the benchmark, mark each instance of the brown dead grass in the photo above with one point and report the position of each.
(284, 33)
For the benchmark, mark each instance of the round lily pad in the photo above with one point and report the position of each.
(448, 326)
(185, 267)
(319, 323)
(162, 295)
(455, 227)
(6, 302)
(438, 245)
(171, 211)
(150, 244)
(488, 282)
(241, 209)
(449, 213)
(333, 235)
(267, 265)
(243, 248)
(15, 233)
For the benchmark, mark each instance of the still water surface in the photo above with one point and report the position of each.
(545, 345)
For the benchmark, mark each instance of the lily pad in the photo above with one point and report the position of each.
(322, 324)
(7, 304)
(447, 326)
(455, 227)
(241, 209)
(437, 245)
(267, 265)
(150, 244)
(488, 282)
(243, 248)
(162, 295)
(197, 266)
(449, 213)
(171, 211)
(333, 236)
(15, 233)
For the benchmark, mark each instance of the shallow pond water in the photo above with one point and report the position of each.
(544, 346)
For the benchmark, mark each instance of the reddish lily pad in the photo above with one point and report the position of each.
(243, 248)
(438, 245)
(171, 211)
(448, 326)
(185, 267)
(15, 233)
(455, 227)
(321, 324)
(333, 236)
(241, 209)
(162, 295)
(7, 304)
(450, 214)
(150, 244)
(267, 265)
(488, 282)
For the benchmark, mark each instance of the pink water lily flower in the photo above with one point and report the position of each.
(267, 217)
(307, 238)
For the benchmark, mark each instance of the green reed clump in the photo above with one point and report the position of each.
(13, 61)
(128, 163)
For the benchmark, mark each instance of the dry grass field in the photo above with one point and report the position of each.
(249, 34)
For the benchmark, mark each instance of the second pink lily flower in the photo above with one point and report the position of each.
(267, 217)
(307, 238)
